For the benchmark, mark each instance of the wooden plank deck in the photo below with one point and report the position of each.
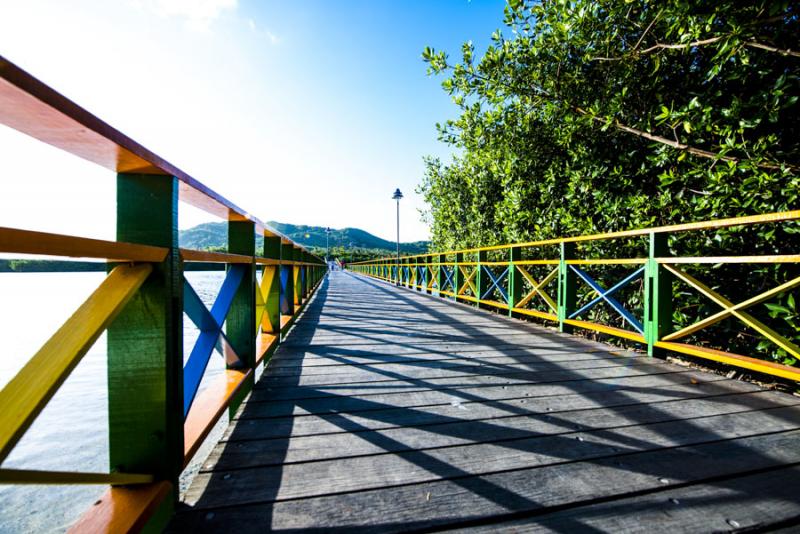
(387, 410)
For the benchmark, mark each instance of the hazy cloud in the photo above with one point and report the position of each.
(197, 14)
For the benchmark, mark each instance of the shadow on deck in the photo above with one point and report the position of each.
(388, 410)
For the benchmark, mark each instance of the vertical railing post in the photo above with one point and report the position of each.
(271, 283)
(440, 277)
(514, 279)
(145, 344)
(297, 255)
(429, 274)
(458, 278)
(307, 275)
(240, 323)
(480, 277)
(287, 280)
(567, 286)
(657, 293)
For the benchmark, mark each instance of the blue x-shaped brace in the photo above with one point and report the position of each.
(495, 283)
(448, 275)
(605, 294)
(211, 336)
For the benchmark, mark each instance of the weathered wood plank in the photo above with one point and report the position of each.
(448, 431)
(358, 403)
(425, 368)
(281, 427)
(500, 495)
(225, 488)
(397, 382)
(749, 503)
(386, 410)
(357, 357)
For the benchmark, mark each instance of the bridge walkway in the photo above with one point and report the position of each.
(389, 410)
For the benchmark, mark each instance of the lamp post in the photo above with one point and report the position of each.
(397, 196)
(327, 247)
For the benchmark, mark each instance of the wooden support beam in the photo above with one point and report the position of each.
(240, 324)
(480, 277)
(657, 294)
(145, 370)
(514, 279)
(287, 282)
(567, 287)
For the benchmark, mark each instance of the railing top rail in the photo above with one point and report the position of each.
(701, 225)
(61, 123)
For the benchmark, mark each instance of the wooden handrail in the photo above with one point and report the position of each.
(62, 123)
(17, 241)
(141, 305)
(639, 232)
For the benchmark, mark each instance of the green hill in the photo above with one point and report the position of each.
(214, 236)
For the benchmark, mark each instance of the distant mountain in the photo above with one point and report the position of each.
(215, 235)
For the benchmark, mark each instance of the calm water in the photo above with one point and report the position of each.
(71, 432)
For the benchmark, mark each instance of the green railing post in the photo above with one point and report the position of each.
(145, 344)
(657, 293)
(514, 279)
(271, 320)
(440, 277)
(458, 278)
(241, 320)
(287, 272)
(567, 287)
(429, 274)
(480, 278)
(306, 286)
(297, 255)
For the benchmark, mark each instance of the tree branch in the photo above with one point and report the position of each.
(535, 91)
(768, 48)
(703, 42)
(678, 145)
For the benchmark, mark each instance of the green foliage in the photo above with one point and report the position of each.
(585, 117)
(50, 266)
(352, 254)
(214, 235)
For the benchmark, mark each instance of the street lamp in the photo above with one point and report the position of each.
(327, 246)
(397, 196)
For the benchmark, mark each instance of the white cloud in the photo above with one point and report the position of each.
(197, 14)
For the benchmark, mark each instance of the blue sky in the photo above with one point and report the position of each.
(301, 112)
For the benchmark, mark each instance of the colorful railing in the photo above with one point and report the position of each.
(499, 277)
(157, 418)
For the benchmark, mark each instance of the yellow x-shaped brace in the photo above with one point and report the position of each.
(262, 293)
(468, 281)
(24, 397)
(537, 288)
(736, 310)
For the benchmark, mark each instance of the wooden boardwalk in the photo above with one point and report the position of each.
(389, 410)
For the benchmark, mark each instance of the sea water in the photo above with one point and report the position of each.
(71, 433)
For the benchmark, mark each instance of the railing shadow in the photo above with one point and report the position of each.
(371, 411)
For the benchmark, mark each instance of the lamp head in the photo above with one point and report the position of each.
(397, 194)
